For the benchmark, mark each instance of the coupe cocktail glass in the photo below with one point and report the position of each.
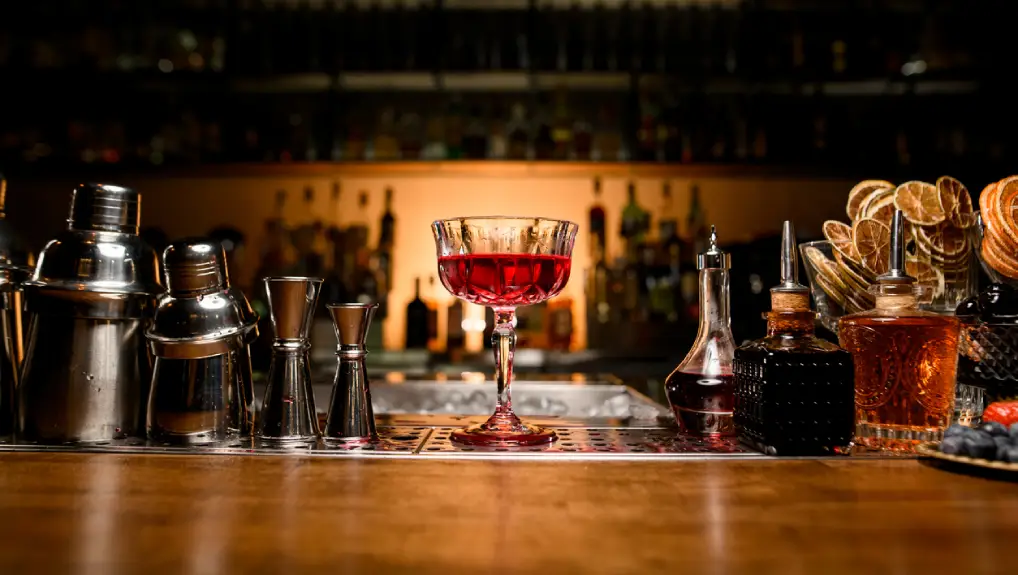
(503, 262)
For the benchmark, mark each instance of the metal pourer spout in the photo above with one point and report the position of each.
(896, 273)
(789, 262)
(789, 295)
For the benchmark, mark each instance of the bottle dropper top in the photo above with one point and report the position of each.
(896, 273)
(789, 295)
(713, 258)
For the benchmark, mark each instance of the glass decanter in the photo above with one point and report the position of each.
(905, 361)
(699, 390)
(794, 392)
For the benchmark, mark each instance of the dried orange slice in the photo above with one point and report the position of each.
(872, 241)
(943, 239)
(824, 266)
(920, 203)
(926, 274)
(876, 196)
(951, 191)
(963, 216)
(840, 236)
(881, 209)
(993, 216)
(996, 257)
(854, 273)
(1006, 207)
(860, 192)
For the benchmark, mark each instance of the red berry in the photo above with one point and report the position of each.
(1005, 412)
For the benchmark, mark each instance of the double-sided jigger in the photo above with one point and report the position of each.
(288, 411)
(200, 331)
(350, 417)
(86, 371)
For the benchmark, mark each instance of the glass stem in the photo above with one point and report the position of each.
(503, 342)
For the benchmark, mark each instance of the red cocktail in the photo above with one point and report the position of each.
(504, 262)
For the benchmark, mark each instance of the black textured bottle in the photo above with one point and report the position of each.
(794, 393)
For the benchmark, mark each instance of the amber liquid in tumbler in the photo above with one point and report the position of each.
(904, 377)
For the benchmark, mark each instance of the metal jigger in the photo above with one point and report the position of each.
(288, 410)
(350, 414)
(196, 337)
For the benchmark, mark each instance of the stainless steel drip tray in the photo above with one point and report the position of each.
(427, 437)
(397, 439)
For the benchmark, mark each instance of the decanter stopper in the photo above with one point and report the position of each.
(350, 415)
(789, 295)
(288, 410)
(714, 257)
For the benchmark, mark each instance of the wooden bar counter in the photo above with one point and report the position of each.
(110, 514)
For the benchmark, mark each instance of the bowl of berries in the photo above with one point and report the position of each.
(992, 445)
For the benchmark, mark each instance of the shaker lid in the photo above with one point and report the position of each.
(100, 252)
(714, 257)
(105, 207)
(195, 265)
(201, 316)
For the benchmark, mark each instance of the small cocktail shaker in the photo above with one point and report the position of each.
(350, 415)
(200, 326)
(86, 371)
(288, 411)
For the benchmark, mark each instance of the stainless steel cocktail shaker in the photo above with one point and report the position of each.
(199, 330)
(86, 371)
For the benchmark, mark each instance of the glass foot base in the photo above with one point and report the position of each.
(897, 438)
(521, 435)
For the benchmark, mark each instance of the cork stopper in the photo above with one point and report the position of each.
(789, 295)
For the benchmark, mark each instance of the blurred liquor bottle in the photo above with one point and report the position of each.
(520, 147)
(337, 287)
(560, 323)
(635, 222)
(417, 320)
(597, 225)
(455, 334)
(544, 140)
(475, 136)
(385, 147)
(562, 131)
(383, 254)
(454, 130)
(434, 345)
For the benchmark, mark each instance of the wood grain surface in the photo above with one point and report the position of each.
(111, 514)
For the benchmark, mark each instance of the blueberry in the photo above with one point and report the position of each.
(980, 446)
(994, 428)
(1003, 446)
(1012, 455)
(956, 429)
(1013, 432)
(953, 445)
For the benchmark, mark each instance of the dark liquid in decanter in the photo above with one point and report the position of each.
(702, 403)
